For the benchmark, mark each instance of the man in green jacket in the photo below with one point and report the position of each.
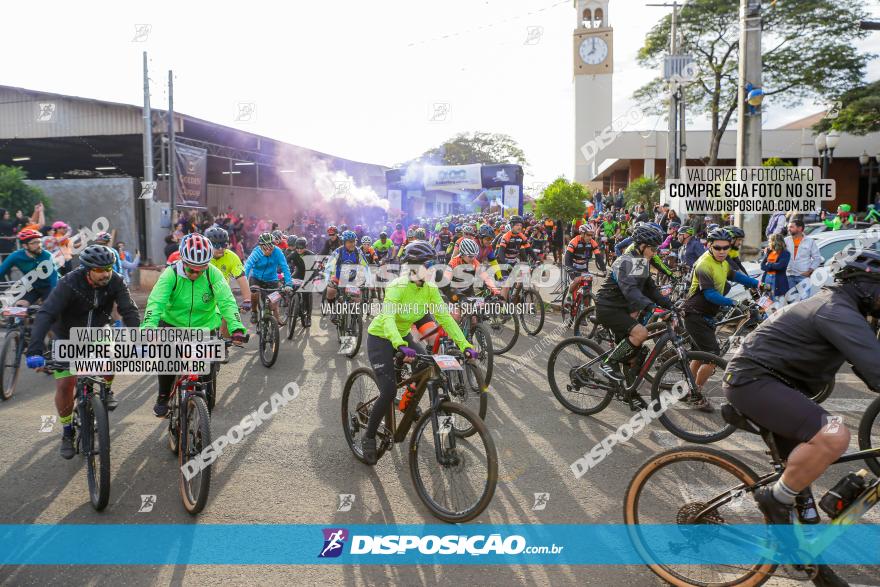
(191, 293)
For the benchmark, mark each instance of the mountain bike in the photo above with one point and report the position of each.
(349, 324)
(452, 457)
(19, 320)
(91, 428)
(502, 324)
(704, 486)
(296, 309)
(267, 327)
(579, 380)
(530, 306)
(574, 305)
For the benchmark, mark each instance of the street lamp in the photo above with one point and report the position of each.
(825, 144)
(865, 160)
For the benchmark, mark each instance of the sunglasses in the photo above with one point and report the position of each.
(194, 269)
(102, 269)
(716, 248)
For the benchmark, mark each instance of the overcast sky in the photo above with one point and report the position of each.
(352, 78)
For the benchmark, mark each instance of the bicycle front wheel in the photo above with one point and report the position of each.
(481, 338)
(673, 488)
(504, 328)
(531, 311)
(96, 449)
(574, 377)
(869, 433)
(455, 477)
(195, 478)
(467, 389)
(690, 413)
(293, 312)
(9, 364)
(269, 341)
(355, 329)
(358, 397)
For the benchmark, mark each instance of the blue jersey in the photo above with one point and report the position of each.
(341, 257)
(266, 268)
(26, 264)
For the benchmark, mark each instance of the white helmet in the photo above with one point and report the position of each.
(469, 248)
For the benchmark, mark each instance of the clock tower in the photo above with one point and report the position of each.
(593, 68)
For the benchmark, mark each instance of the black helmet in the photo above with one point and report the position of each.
(300, 243)
(266, 239)
(97, 256)
(736, 232)
(718, 234)
(291, 240)
(383, 234)
(218, 237)
(648, 235)
(486, 231)
(516, 220)
(418, 252)
(865, 265)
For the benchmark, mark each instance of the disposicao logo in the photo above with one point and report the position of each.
(334, 540)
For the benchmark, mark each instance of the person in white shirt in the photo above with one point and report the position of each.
(805, 257)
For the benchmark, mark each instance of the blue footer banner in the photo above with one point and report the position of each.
(565, 544)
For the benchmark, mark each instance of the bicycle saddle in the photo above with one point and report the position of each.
(739, 420)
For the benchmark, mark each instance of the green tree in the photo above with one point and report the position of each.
(477, 147)
(859, 112)
(809, 53)
(562, 200)
(17, 195)
(643, 190)
(776, 162)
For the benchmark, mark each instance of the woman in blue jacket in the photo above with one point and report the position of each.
(774, 264)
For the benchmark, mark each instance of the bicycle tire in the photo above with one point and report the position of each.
(482, 432)
(633, 494)
(174, 422)
(98, 473)
(357, 323)
(823, 393)
(293, 311)
(585, 328)
(501, 326)
(725, 431)
(870, 419)
(531, 296)
(591, 351)
(347, 416)
(483, 338)
(9, 366)
(189, 449)
(269, 330)
(474, 388)
(211, 388)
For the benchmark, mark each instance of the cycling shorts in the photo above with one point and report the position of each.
(702, 333)
(617, 320)
(254, 282)
(777, 407)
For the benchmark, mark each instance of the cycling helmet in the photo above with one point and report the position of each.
(648, 235)
(265, 239)
(343, 227)
(331, 230)
(349, 235)
(516, 220)
(654, 225)
(468, 247)
(418, 252)
(718, 234)
(736, 231)
(865, 265)
(383, 234)
(457, 230)
(398, 226)
(28, 235)
(486, 231)
(97, 256)
(366, 241)
(711, 227)
(277, 236)
(687, 230)
(291, 240)
(197, 250)
(444, 225)
(584, 229)
(421, 235)
(218, 237)
(469, 229)
(59, 224)
(674, 225)
(411, 233)
(103, 237)
(300, 243)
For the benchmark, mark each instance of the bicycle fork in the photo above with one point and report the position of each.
(442, 429)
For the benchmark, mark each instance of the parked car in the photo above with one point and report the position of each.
(830, 243)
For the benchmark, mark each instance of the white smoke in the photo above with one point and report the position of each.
(338, 188)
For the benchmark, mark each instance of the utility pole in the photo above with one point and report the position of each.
(148, 128)
(172, 160)
(748, 136)
(674, 141)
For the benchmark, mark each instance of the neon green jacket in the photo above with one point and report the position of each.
(406, 302)
(184, 303)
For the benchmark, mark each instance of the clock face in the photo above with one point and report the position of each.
(593, 50)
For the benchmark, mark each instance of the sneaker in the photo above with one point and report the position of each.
(111, 402)
(67, 450)
(253, 317)
(775, 511)
(161, 407)
(700, 402)
(307, 322)
(612, 371)
(806, 507)
(368, 448)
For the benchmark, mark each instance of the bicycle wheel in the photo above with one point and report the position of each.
(468, 390)
(671, 489)
(460, 488)
(360, 393)
(355, 329)
(532, 315)
(95, 447)
(682, 417)
(293, 312)
(566, 307)
(575, 379)
(481, 338)
(211, 389)
(504, 328)
(9, 364)
(194, 491)
(869, 433)
(269, 340)
(585, 327)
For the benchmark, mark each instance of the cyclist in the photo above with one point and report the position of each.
(577, 256)
(279, 239)
(296, 254)
(737, 235)
(229, 265)
(705, 297)
(443, 238)
(332, 242)
(691, 248)
(348, 256)
(509, 247)
(83, 298)
(538, 241)
(629, 291)
(383, 246)
(192, 293)
(262, 268)
(462, 272)
(798, 350)
(407, 300)
(26, 260)
(368, 251)
(398, 237)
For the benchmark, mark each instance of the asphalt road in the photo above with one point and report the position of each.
(293, 468)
